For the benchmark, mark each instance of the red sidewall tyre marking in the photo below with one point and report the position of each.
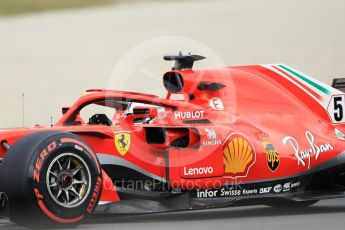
(95, 195)
(56, 218)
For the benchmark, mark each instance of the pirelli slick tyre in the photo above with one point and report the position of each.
(52, 180)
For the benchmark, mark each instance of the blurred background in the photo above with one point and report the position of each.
(53, 50)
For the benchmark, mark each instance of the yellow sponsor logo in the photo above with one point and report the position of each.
(239, 156)
(272, 156)
(122, 142)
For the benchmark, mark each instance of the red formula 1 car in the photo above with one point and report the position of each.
(261, 134)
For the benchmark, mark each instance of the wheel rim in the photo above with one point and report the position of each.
(68, 180)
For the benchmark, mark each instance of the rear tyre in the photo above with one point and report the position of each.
(52, 180)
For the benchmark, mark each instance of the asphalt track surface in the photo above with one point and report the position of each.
(327, 214)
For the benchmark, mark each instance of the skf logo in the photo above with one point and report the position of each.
(239, 156)
(272, 156)
(122, 142)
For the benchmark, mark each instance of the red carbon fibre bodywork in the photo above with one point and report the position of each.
(264, 124)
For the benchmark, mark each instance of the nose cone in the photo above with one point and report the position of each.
(11, 135)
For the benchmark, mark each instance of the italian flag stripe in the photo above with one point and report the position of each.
(306, 79)
(312, 92)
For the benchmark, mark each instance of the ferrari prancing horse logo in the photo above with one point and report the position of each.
(122, 142)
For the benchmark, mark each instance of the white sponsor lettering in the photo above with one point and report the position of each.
(249, 191)
(296, 184)
(234, 192)
(265, 190)
(211, 142)
(207, 194)
(197, 171)
(305, 155)
(189, 115)
(224, 192)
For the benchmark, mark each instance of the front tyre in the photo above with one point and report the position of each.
(52, 179)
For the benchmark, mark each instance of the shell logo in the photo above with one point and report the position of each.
(239, 156)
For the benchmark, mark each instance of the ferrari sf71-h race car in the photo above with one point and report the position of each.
(246, 135)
